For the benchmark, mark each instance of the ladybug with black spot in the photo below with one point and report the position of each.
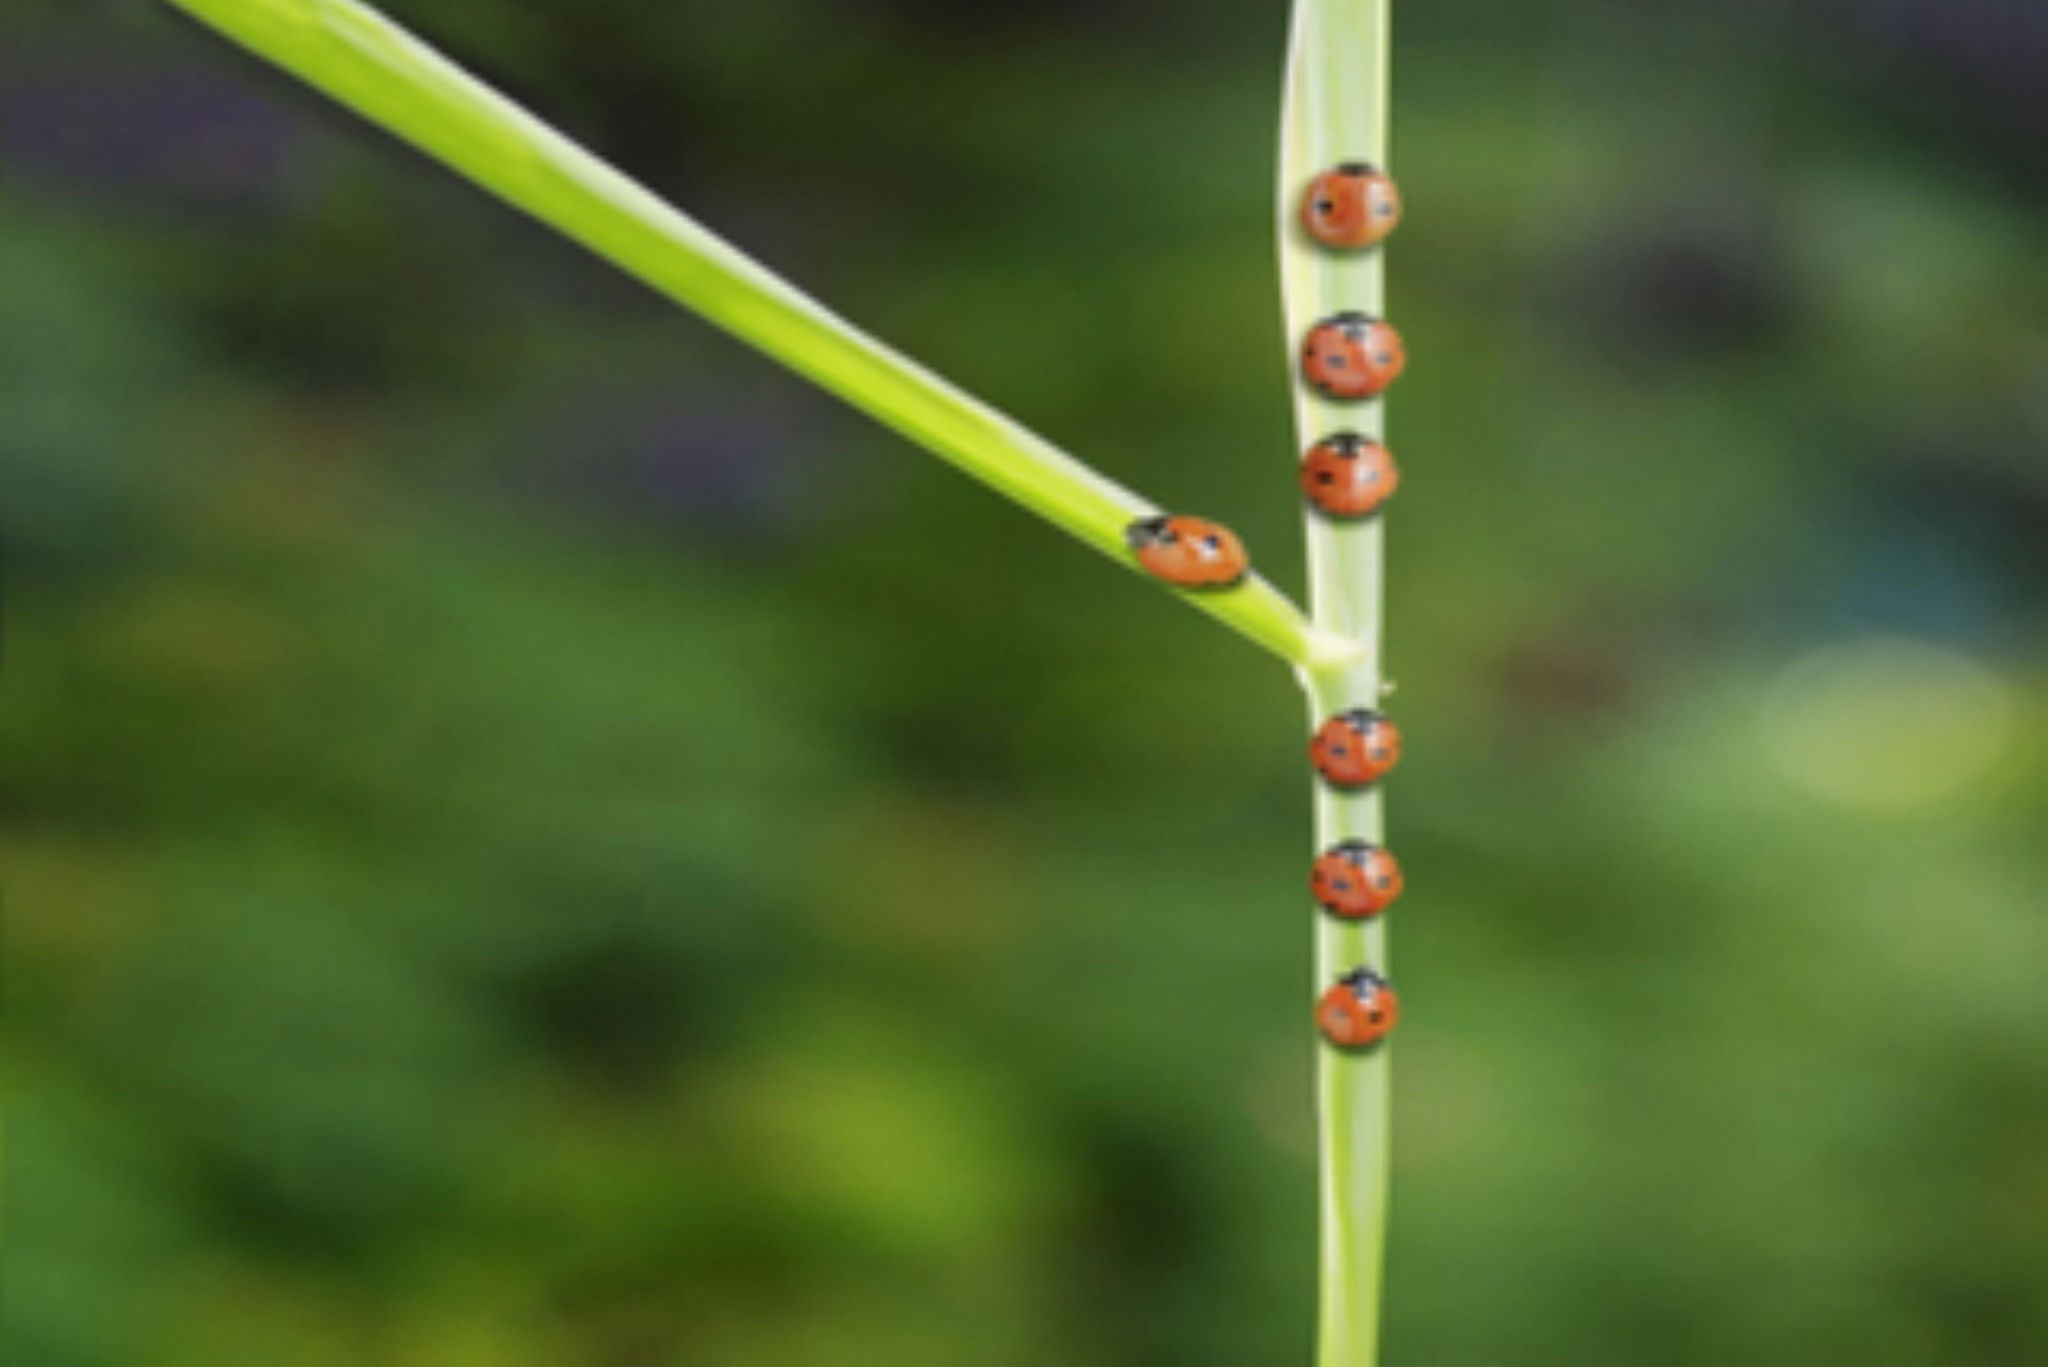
(1358, 1011)
(1349, 476)
(1356, 880)
(1352, 356)
(1356, 749)
(1351, 207)
(1190, 552)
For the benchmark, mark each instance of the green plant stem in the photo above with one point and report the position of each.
(383, 73)
(1336, 110)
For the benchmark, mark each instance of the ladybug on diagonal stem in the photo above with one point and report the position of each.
(1190, 552)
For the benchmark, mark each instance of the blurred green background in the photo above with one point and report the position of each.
(532, 838)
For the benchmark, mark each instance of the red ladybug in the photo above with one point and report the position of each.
(1352, 356)
(1348, 475)
(1355, 880)
(1353, 206)
(1189, 551)
(1355, 749)
(1358, 1010)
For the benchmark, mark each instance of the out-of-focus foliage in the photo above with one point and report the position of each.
(533, 839)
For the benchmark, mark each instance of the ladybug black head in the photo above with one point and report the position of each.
(1364, 718)
(1349, 445)
(1354, 851)
(1364, 982)
(1353, 323)
(1147, 531)
(1358, 168)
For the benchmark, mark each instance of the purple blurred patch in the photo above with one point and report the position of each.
(80, 121)
(1692, 272)
(738, 469)
(2002, 43)
(1989, 55)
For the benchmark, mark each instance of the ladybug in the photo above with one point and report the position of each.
(1351, 206)
(1352, 356)
(1356, 749)
(1360, 1009)
(1348, 475)
(1189, 551)
(1355, 880)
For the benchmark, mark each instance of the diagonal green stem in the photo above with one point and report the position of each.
(369, 64)
(1336, 111)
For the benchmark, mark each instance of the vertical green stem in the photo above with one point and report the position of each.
(1337, 111)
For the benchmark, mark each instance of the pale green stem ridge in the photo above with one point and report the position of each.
(369, 64)
(1336, 111)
